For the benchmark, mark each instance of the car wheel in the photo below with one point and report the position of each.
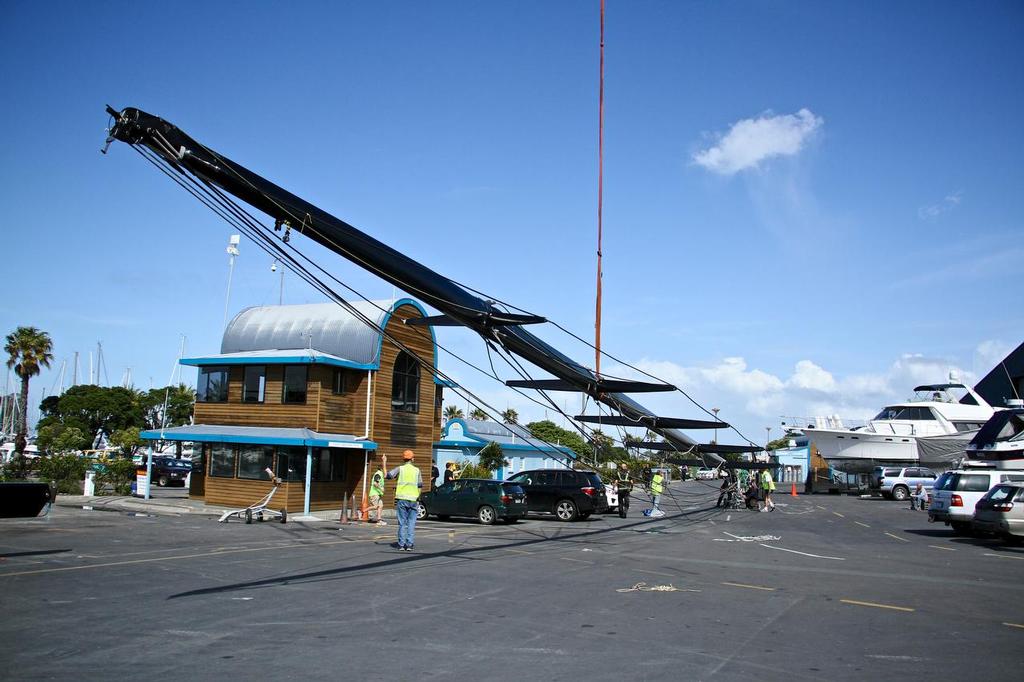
(486, 515)
(566, 510)
(162, 481)
(421, 511)
(248, 515)
(961, 527)
(900, 493)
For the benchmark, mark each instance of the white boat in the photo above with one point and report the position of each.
(1000, 443)
(891, 437)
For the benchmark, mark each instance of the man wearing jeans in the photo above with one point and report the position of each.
(407, 495)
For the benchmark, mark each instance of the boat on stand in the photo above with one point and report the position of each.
(891, 437)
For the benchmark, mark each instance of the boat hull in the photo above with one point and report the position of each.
(847, 445)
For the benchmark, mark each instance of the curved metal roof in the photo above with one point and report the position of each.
(325, 327)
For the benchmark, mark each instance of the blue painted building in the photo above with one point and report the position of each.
(463, 439)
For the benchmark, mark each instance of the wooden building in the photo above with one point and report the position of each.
(316, 394)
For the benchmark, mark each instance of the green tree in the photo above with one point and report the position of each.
(491, 457)
(70, 440)
(778, 443)
(550, 432)
(117, 472)
(66, 471)
(28, 349)
(478, 414)
(180, 400)
(93, 409)
(128, 440)
(510, 416)
(453, 412)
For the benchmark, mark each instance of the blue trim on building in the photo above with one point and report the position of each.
(387, 318)
(304, 359)
(254, 440)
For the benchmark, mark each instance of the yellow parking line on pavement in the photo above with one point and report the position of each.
(862, 524)
(567, 558)
(751, 587)
(1014, 625)
(873, 604)
(948, 549)
(897, 537)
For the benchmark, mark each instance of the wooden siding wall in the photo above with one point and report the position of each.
(344, 413)
(271, 412)
(419, 341)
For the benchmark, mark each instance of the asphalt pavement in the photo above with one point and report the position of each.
(826, 587)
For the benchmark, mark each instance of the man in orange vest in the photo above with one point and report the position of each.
(407, 495)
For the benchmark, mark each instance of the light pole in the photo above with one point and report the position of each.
(715, 410)
(232, 251)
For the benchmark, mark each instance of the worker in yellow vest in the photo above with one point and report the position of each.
(657, 488)
(407, 495)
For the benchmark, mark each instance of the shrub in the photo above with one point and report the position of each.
(66, 471)
(469, 469)
(117, 472)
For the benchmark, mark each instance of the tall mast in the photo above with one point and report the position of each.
(600, 202)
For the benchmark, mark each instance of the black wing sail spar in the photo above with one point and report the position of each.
(458, 305)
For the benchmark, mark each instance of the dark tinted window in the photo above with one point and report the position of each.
(340, 383)
(1001, 493)
(405, 384)
(512, 489)
(545, 478)
(491, 488)
(943, 481)
(472, 487)
(212, 385)
(291, 463)
(294, 385)
(254, 384)
(594, 479)
(222, 461)
(253, 459)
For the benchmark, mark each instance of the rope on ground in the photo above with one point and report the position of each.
(644, 587)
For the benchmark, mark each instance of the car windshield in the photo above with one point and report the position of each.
(943, 481)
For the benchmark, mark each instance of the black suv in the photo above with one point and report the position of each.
(567, 494)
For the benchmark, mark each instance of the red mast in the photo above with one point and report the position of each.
(600, 201)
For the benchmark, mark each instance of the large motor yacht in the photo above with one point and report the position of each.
(1000, 443)
(891, 437)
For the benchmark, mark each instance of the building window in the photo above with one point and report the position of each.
(329, 465)
(294, 388)
(253, 460)
(255, 384)
(212, 386)
(405, 384)
(291, 463)
(340, 383)
(222, 460)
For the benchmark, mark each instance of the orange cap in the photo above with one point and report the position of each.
(408, 454)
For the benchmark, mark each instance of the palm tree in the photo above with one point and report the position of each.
(510, 416)
(453, 412)
(28, 349)
(478, 414)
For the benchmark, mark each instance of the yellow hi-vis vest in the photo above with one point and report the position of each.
(656, 486)
(408, 479)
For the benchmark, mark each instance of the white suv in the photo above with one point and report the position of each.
(956, 492)
(899, 482)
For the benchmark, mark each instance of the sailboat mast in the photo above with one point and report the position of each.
(600, 202)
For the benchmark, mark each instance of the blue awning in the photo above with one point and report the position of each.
(258, 435)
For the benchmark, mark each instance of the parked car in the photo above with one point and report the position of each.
(1001, 511)
(484, 499)
(897, 483)
(705, 474)
(957, 492)
(168, 471)
(567, 494)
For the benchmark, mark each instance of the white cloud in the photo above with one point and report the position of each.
(948, 203)
(753, 140)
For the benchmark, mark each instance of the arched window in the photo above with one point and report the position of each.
(405, 384)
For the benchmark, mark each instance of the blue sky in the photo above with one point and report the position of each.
(809, 207)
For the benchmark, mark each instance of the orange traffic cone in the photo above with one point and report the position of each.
(792, 491)
(364, 510)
